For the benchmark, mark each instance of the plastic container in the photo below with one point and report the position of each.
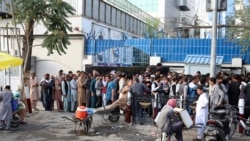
(81, 112)
(90, 111)
(185, 117)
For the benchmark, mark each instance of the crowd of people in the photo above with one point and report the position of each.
(80, 89)
(115, 88)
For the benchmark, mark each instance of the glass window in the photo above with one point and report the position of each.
(108, 15)
(155, 2)
(155, 8)
(102, 11)
(89, 8)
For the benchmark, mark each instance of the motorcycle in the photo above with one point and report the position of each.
(217, 128)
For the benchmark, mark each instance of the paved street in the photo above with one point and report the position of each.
(48, 126)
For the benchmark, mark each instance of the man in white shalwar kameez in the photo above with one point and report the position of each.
(73, 86)
(201, 113)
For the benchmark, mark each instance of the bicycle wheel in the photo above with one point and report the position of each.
(233, 127)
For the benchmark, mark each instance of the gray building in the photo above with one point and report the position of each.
(175, 14)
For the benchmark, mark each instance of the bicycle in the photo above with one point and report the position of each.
(235, 120)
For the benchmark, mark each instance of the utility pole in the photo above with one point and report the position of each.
(214, 40)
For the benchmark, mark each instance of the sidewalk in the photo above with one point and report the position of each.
(50, 126)
(115, 131)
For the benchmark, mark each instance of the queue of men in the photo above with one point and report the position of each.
(79, 89)
(91, 90)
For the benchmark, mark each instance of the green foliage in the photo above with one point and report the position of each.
(240, 18)
(152, 27)
(52, 14)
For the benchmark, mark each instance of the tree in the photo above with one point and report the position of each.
(152, 27)
(53, 15)
(240, 17)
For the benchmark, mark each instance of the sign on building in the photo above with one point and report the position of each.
(121, 57)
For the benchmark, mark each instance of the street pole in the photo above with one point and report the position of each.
(213, 45)
(214, 40)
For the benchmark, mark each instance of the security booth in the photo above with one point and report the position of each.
(194, 63)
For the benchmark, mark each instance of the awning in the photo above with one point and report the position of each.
(202, 59)
(7, 61)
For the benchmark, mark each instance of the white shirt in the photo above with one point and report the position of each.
(202, 109)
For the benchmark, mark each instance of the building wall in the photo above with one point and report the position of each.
(71, 61)
(174, 50)
(193, 68)
(203, 19)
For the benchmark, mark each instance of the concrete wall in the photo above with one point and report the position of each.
(72, 61)
(193, 68)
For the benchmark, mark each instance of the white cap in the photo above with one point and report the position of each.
(113, 72)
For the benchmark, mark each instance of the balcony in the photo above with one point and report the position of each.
(183, 5)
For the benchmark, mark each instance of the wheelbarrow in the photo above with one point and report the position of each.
(85, 123)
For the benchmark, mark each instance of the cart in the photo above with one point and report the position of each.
(84, 123)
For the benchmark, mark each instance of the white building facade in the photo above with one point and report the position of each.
(94, 19)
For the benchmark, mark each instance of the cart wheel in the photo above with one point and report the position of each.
(114, 118)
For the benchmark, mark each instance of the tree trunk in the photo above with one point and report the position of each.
(27, 52)
(27, 46)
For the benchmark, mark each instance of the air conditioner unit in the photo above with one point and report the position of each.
(183, 5)
(183, 19)
(181, 2)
